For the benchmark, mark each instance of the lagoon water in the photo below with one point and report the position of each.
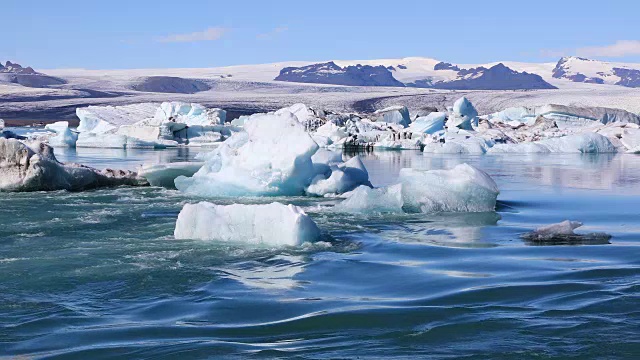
(98, 274)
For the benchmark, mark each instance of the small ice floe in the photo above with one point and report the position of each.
(164, 174)
(272, 224)
(563, 234)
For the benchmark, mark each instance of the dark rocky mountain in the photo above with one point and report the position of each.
(330, 73)
(445, 66)
(16, 74)
(497, 77)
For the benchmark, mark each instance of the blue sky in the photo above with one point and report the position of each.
(199, 33)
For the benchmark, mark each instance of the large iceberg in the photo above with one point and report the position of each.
(152, 125)
(272, 224)
(579, 143)
(34, 167)
(463, 188)
(273, 157)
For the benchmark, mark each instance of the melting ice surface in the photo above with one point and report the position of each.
(99, 273)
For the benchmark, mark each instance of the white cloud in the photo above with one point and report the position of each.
(271, 34)
(211, 34)
(621, 48)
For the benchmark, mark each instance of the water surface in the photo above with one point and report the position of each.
(98, 274)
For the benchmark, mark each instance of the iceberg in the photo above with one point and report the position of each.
(463, 188)
(190, 114)
(344, 177)
(272, 224)
(34, 167)
(100, 119)
(393, 115)
(64, 137)
(151, 124)
(462, 115)
(163, 175)
(429, 124)
(368, 200)
(273, 157)
(563, 234)
(461, 142)
(579, 143)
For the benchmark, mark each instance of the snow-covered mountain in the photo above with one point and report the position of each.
(497, 77)
(583, 70)
(330, 73)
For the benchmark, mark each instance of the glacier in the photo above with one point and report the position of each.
(249, 224)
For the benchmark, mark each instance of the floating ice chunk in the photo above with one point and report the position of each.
(331, 131)
(368, 200)
(579, 143)
(630, 138)
(394, 115)
(64, 136)
(190, 114)
(399, 144)
(1, 124)
(527, 147)
(34, 168)
(99, 119)
(164, 174)
(323, 159)
(462, 115)
(429, 124)
(463, 188)
(112, 141)
(272, 224)
(272, 158)
(563, 234)
(344, 177)
(301, 111)
(240, 120)
(459, 143)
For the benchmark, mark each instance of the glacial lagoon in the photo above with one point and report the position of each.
(97, 273)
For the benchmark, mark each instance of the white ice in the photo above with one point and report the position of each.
(164, 174)
(64, 137)
(393, 115)
(579, 143)
(273, 157)
(344, 177)
(272, 224)
(368, 200)
(429, 124)
(463, 188)
(462, 115)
